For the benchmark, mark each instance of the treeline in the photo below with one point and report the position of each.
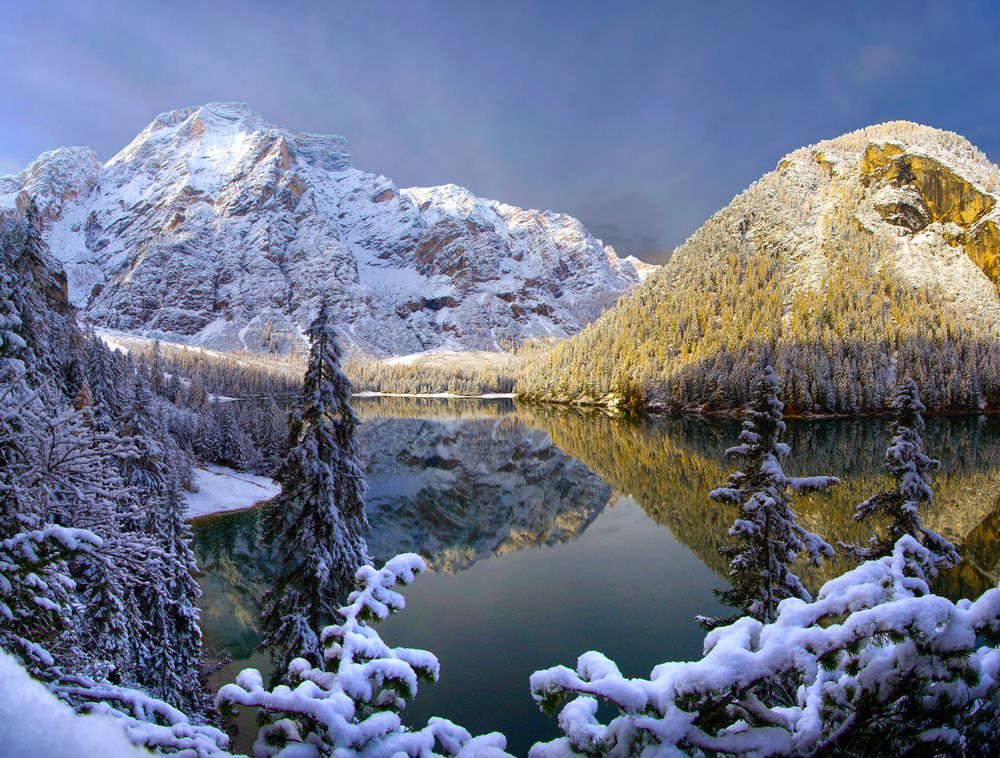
(241, 375)
(371, 375)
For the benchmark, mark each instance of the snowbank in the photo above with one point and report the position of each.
(34, 722)
(222, 489)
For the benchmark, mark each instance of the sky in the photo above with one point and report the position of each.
(639, 118)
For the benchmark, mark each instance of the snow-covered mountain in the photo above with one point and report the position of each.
(217, 228)
(873, 254)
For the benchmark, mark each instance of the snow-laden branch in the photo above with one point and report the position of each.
(874, 658)
(352, 707)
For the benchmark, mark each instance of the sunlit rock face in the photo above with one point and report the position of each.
(919, 191)
(463, 490)
(218, 228)
(926, 195)
(921, 199)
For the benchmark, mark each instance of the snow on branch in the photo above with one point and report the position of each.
(145, 720)
(353, 707)
(875, 660)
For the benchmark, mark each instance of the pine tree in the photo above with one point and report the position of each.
(83, 400)
(899, 507)
(105, 384)
(156, 379)
(197, 396)
(318, 521)
(272, 434)
(169, 662)
(768, 537)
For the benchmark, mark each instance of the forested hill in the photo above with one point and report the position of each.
(856, 260)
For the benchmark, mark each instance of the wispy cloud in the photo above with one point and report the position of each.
(875, 63)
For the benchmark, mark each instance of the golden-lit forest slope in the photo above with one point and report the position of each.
(854, 261)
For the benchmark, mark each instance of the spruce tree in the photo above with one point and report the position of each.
(169, 661)
(899, 507)
(767, 536)
(317, 523)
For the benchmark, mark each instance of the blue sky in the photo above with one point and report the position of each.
(642, 119)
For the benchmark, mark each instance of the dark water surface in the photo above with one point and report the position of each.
(551, 532)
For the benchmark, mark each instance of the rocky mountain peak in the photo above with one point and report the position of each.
(930, 194)
(55, 178)
(215, 227)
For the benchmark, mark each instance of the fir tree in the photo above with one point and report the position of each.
(899, 508)
(317, 523)
(104, 382)
(768, 537)
(170, 660)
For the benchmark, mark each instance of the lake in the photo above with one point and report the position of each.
(549, 532)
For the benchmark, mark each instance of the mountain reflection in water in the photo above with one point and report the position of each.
(551, 531)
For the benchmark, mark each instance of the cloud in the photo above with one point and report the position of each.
(875, 63)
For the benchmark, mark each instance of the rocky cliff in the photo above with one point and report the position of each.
(217, 228)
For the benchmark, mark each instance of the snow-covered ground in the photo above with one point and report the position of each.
(34, 722)
(222, 489)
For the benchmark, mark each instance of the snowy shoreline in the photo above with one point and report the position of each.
(224, 490)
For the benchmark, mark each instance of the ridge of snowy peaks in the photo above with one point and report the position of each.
(216, 228)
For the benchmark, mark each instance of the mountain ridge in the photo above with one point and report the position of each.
(218, 228)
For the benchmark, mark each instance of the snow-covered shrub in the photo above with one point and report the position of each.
(145, 721)
(876, 665)
(353, 706)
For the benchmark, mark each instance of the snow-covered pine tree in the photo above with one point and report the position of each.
(234, 449)
(899, 508)
(767, 535)
(318, 522)
(34, 590)
(62, 569)
(169, 662)
(350, 704)
(270, 435)
(157, 382)
(104, 383)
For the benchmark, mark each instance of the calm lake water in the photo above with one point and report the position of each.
(549, 532)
